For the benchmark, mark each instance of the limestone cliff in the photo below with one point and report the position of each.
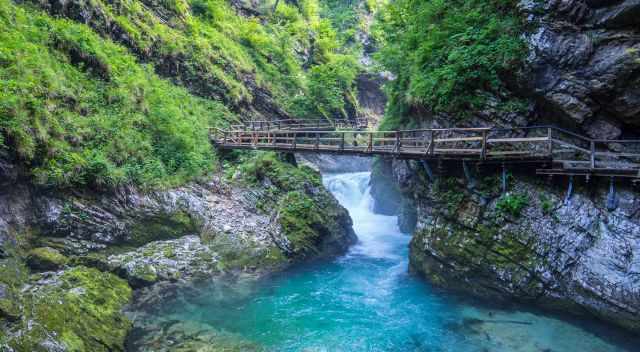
(534, 243)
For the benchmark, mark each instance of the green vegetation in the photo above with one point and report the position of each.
(450, 193)
(307, 216)
(300, 217)
(45, 258)
(512, 204)
(449, 56)
(546, 204)
(83, 309)
(252, 169)
(81, 108)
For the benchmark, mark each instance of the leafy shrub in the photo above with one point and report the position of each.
(447, 55)
(546, 204)
(512, 204)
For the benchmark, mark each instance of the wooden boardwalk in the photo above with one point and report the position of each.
(549, 150)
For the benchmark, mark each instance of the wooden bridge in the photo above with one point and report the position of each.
(547, 149)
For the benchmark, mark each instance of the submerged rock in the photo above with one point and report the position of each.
(188, 336)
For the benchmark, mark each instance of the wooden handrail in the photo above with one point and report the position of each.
(480, 143)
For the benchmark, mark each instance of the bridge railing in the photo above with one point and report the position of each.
(461, 142)
(562, 147)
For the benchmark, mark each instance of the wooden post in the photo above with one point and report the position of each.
(317, 141)
(483, 153)
(275, 138)
(425, 142)
(550, 142)
(432, 143)
(342, 141)
(293, 144)
(396, 148)
(370, 145)
(593, 154)
(224, 137)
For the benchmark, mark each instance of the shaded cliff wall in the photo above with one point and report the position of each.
(531, 243)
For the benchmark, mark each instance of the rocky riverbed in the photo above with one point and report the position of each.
(85, 252)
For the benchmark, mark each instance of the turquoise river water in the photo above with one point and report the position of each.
(366, 300)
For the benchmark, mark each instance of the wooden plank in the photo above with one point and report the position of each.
(453, 150)
(572, 146)
(513, 152)
(461, 139)
(517, 140)
(618, 155)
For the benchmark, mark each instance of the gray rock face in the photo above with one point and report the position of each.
(172, 260)
(583, 72)
(585, 61)
(197, 230)
(573, 255)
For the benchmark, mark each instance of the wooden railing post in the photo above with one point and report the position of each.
(432, 143)
(370, 144)
(550, 142)
(396, 147)
(317, 146)
(483, 153)
(593, 154)
(293, 145)
(224, 137)
(342, 141)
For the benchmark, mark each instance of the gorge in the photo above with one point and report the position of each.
(124, 228)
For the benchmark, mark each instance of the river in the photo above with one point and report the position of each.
(366, 300)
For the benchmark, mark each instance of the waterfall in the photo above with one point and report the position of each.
(378, 235)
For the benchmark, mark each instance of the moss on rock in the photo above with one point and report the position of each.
(46, 258)
(163, 227)
(81, 310)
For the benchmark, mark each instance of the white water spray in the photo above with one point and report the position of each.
(378, 235)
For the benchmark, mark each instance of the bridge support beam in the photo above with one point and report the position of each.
(427, 170)
(504, 179)
(567, 197)
(471, 182)
(612, 200)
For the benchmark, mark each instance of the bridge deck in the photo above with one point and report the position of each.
(563, 152)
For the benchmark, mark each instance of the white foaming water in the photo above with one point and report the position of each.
(378, 235)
